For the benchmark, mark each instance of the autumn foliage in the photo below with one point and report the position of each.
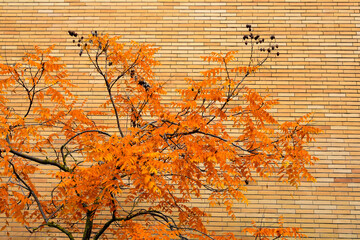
(136, 178)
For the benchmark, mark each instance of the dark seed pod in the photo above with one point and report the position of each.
(272, 37)
(72, 33)
(277, 46)
(248, 25)
(256, 37)
(75, 35)
(247, 182)
(74, 41)
(246, 42)
(273, 47)
(78, 45)
(245, 37)
(144, 84)
(251, 36)
(82, 37)
(268, 50)
(132, 73)
(80, 53)
(110, 63)
(277, 54)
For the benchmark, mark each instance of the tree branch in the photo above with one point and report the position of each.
(31, 191)
(38, 160)
(127, 218)
(57, 226)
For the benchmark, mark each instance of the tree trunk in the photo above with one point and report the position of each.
(88, 225)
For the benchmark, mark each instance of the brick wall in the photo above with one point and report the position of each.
(318, 70)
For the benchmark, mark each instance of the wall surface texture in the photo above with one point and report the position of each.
(317, 71)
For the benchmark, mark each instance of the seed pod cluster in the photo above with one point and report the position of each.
(256, 39)
(73, 33)
(78, 42)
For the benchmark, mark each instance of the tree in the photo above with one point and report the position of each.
(143, 174)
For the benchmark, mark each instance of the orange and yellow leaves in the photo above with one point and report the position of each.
(296, 135)
(281, 232)
(214, 57)
(55, 96)
(216, 71)
(14, 204)
(213, 72)
(219, 58)
(223, 60)
(46, 65)
(244, 69)
(218, 112)
(119, 58)
(8, 70)
(137, 231)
